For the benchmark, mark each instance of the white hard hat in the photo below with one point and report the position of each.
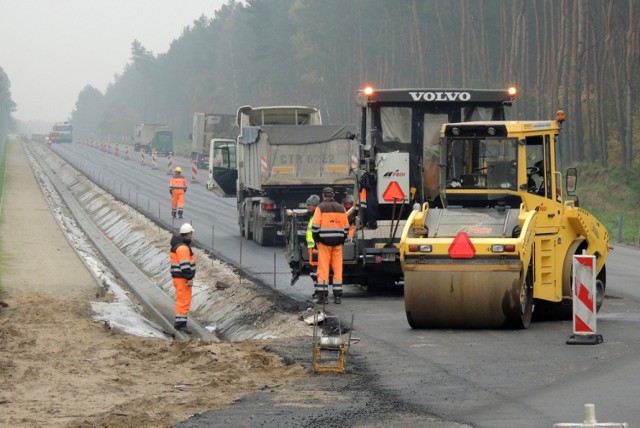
(186, 228)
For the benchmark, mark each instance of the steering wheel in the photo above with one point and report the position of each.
(533, 170)
(484, 170)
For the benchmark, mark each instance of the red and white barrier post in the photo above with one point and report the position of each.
(169, 164)
(194, 171)
(584, 302)
(126, 152)
(154, 159)
(143, 157)
(117, 150)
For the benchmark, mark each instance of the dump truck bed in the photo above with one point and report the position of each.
(288, 155)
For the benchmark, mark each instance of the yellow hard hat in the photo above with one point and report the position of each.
(178, 169)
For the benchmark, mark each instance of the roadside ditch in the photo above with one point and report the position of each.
(230, 305)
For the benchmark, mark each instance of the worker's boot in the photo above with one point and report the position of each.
(182, 327)
(337, 299)
(179, 213)
(173, 214)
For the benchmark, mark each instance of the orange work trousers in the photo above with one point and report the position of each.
(177, 199)
(183, 297)
(329, 257)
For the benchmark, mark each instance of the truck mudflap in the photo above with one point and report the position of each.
(482, 293)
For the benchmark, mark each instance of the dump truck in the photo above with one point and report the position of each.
(223, 171)
(503, 235)
(283, 154)
(62, 132)
(144, 138)
(162, 143)
(207, 126)
(279, 166)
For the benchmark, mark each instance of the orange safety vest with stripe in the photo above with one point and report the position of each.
(183, 264)
(330, 225)
(178, 182)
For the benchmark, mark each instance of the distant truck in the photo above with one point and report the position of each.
(280, 164)
(62, 132)
(149, 137)
(207, 126)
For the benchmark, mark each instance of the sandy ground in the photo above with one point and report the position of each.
(58, 367)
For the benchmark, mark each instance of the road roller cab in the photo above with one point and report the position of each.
(504, 236)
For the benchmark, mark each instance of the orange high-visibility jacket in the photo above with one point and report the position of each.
(183, 264)
(178, 182)
(330, 225)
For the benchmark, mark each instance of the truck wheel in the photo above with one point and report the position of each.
(258, 227)
(247, 225)
(268, 236)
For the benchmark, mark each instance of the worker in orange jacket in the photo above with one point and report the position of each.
(330, 229)
(183, 270)
(177, 188)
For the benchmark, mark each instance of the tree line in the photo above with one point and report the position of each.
(7, 106)
(581, 56)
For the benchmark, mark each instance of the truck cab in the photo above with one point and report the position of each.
(206, 128)
(223, 169)
(62, 132)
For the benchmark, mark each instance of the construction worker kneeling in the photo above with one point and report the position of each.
(330, 229)
(183, 270)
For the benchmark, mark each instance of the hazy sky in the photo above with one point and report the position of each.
(52, 49)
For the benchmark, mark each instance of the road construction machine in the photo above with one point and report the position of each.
(399, 133)
(503, 235)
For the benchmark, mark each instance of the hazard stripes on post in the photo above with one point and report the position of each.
(154, 159)
(169, 164)
(355, 162)
(584, 302)
(264, 166)
(194, 171)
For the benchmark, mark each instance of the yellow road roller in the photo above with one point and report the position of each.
(503, 236)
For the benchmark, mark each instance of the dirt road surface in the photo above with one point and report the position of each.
(58, 367)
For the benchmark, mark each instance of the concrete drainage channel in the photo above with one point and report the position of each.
(136, 250)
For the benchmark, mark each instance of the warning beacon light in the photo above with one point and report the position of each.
(364, 96)
(512, 91)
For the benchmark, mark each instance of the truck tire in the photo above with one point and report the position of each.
(258, 227)
(247, 224)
